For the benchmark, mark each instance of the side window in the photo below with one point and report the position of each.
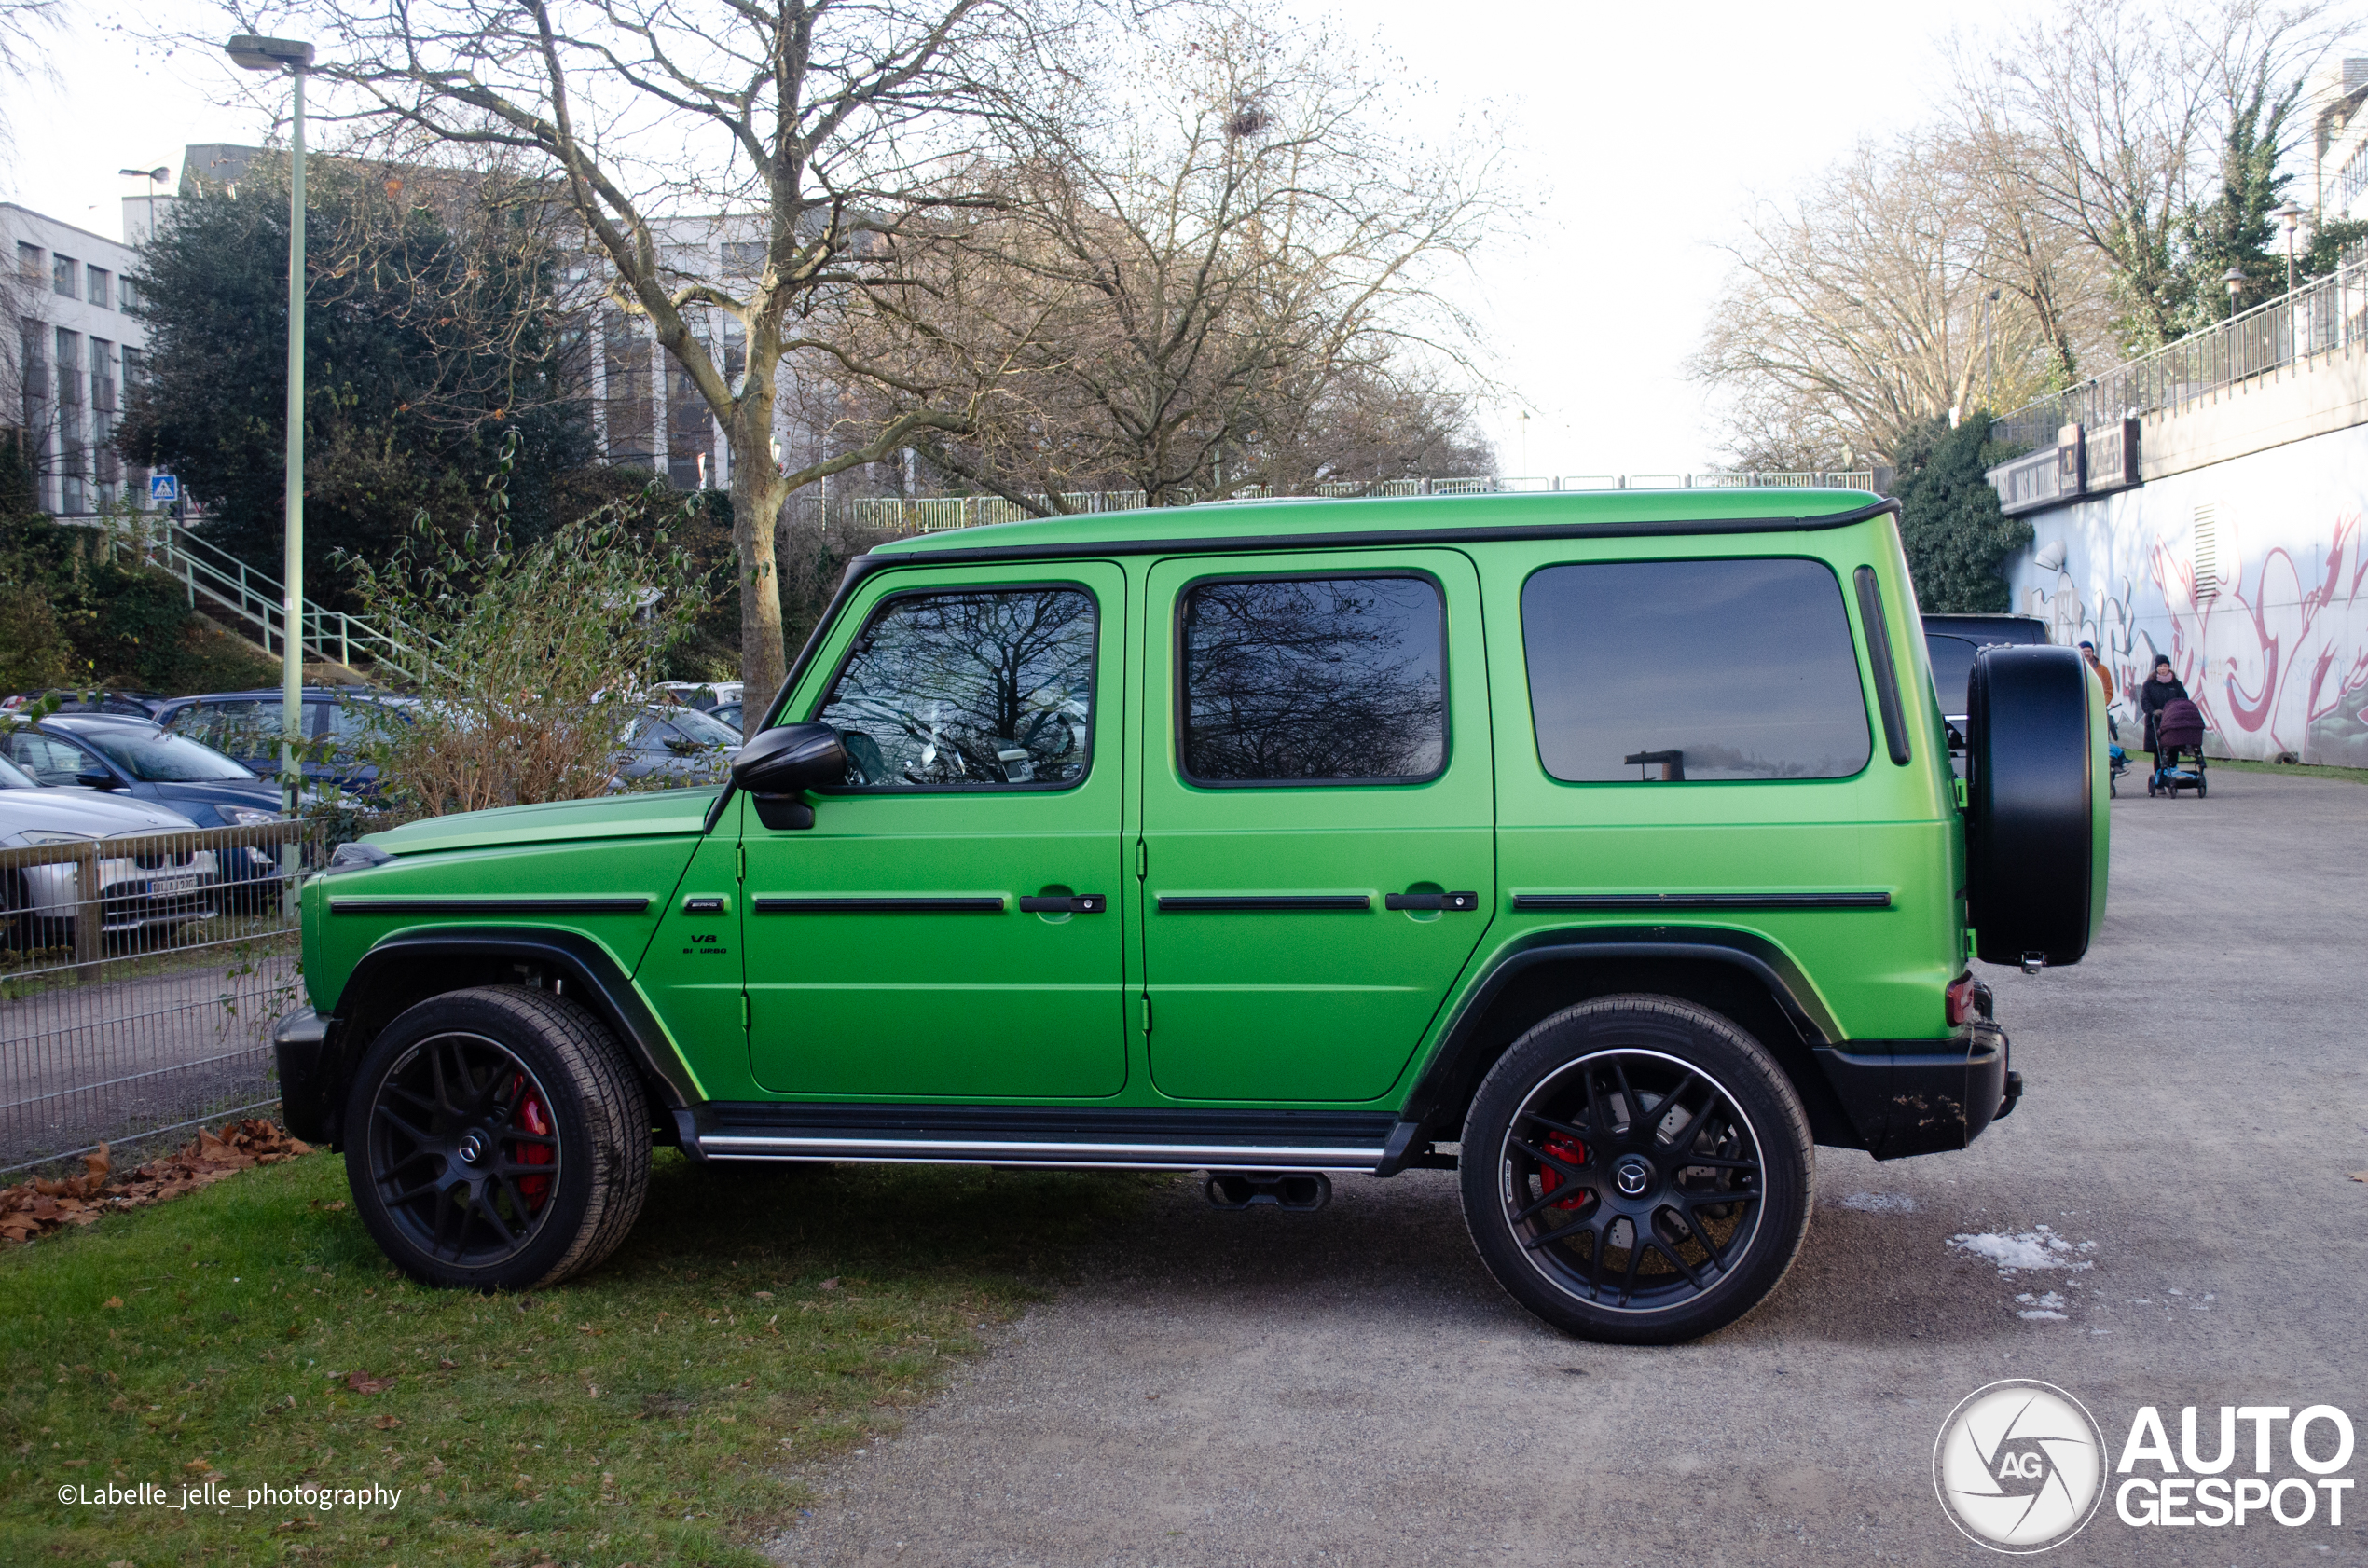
(984, 689)
(51, 761)
(239, 729)
(1687, 671)
(1314, 679)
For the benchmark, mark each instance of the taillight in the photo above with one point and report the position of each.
(1968, 999)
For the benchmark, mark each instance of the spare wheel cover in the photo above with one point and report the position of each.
(2030, 833)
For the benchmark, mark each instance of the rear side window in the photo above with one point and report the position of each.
(978, 690)
(1688, 672)
(1314, 679)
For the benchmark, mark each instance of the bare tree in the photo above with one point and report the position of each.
(807, 132)
(1230, 280)
(2109, 108)
(1858, 310)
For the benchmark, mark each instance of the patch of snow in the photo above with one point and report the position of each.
(2040, 1248)
(1881, 1203)
(2039, 1315)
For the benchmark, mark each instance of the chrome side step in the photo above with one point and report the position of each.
(1039, 1136)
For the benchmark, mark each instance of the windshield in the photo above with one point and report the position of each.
(703, 727)
(164, 759)
(15, 778)
(1952, 671)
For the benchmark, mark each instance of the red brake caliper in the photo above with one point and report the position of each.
(533, 1118)
(1568, 1149)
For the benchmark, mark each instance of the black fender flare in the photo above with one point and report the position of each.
(586, 971)
(1456, 1061)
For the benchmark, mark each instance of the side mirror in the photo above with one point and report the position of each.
(780, 762)
(97, 781)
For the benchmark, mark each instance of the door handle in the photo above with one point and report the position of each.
(1461, 902)
(1065, 903)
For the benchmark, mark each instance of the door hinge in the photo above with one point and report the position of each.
(748, 1020)
(1142, 860)
(1147, 1013)
(740, 861)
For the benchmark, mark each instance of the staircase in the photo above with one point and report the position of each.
(218, 580)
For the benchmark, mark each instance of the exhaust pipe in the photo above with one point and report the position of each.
(1302, 1191)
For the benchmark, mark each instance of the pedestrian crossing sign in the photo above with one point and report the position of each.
(164, 488)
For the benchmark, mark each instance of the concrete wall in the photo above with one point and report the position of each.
(2277, 656)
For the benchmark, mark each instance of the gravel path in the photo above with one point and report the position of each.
(1350, 1387)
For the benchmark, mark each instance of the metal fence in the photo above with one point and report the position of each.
(141, 979)
(2321, 316)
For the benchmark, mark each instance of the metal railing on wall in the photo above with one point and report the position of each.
(139, 981)
(2319, 317)
(219, 581)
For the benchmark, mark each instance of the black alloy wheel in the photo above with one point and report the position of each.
(463, 1149)
(1637, 1170)
(497, 1138)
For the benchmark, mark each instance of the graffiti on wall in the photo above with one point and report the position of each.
(2277, 658)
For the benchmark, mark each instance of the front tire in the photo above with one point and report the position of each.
(1637, 1170)
(498, 1139)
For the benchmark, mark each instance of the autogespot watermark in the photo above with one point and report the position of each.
(2020, 1466)
(212, 1495)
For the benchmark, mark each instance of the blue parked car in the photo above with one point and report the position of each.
(246, 725)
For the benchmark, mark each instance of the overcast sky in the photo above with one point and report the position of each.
(1644, 130)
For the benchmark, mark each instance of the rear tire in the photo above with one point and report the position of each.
(1687, 1149)
(497, 1139)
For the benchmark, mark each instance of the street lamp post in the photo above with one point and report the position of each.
(273, 54)
(2234, 279)
(155, 178)
(2290, 214)
(1989, 346)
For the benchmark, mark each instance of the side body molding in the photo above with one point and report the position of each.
(404, 969)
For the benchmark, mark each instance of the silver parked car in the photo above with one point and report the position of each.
(150, 877)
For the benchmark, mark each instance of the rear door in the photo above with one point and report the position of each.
(1317, 829)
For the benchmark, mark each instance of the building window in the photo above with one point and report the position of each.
(65, 274)
(72, 493)
(744, 258)
(34, 347)
(104, 408)
(127, 294)
(97, 279)
(28, 262)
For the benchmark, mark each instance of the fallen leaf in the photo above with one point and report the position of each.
(113, 1302)
(832, 1284)
(363, 1382)
(2359, 1176)
(386, 1423)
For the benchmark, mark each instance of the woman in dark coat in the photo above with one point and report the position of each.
(2158, 689)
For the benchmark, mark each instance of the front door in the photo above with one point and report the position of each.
(946, 927)
(1318, 827)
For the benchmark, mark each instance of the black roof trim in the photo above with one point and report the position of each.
(1249, 542)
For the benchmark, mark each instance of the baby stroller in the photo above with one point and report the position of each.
(2179, 750)
(2114, 755)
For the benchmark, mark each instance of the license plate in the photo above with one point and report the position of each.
(174, 884)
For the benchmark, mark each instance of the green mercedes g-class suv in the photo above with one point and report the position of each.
(1605, 849)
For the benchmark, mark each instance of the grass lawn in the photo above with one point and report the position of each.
(652, 1413)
